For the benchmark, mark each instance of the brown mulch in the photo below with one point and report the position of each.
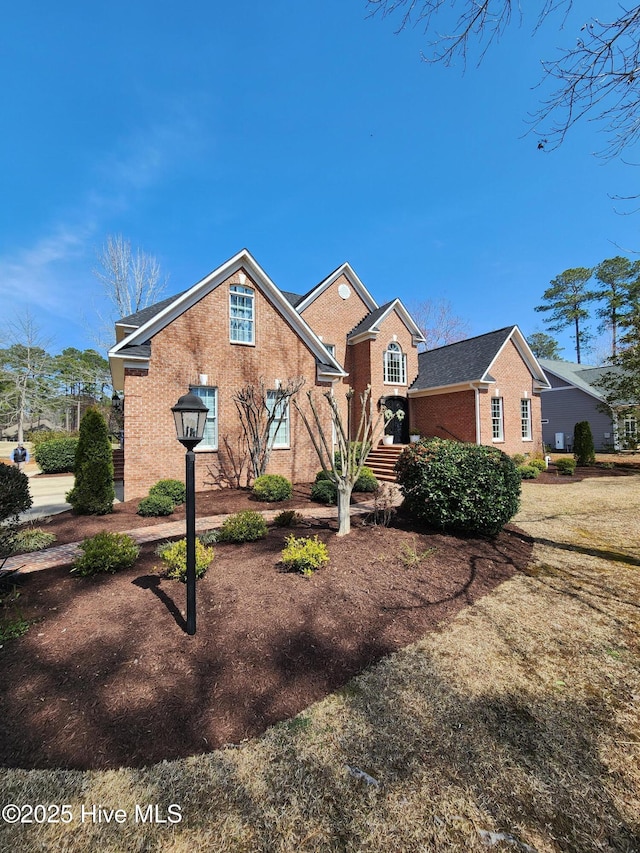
(107, 677)
(553, 477)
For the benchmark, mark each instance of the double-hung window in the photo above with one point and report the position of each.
(278, 406)
(497, 420)
(525, 419)
(209, 397)
(241, 314)
(395, 372)
(630, 427)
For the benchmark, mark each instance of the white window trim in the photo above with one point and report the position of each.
(529, 420)
(208, 448)
(286, 418)
(402, 365)
(499, 419)
(233, 291)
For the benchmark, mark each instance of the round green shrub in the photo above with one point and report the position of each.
(155, 505)
(244, 526)
(322, 475)
(15, 497)
(518, 458)
(174, 556)
(304, 555)
(324, 492)
(366, 482)
(38, 437)
(93, 492)
(272, 488)
(566, 465)
(540, 464)
(106, 552)
(528, 472)
(174, 489)
(57, 455)
(450, 485)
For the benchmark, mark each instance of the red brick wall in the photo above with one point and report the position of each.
(198, 342)
(445, 415)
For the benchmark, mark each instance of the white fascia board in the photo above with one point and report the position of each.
(528, 357)
(450, 389)
(363, 336)
(350, 274)
(397, 306)
(242, 260)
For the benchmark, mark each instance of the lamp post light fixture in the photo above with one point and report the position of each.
(190, 415)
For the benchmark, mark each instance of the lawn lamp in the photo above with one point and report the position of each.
(190, 415)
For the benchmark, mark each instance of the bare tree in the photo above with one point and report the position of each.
(598, 76)
(261, 411)
(343, 463)
(437, 322)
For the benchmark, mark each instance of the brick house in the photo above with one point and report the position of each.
(235, 327)
(484, 390)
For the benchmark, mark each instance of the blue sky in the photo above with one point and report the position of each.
(309, 134)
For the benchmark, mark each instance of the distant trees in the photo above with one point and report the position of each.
(544, 346)
(438, 323)
(566, 300)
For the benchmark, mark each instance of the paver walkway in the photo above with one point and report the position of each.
(61, 555)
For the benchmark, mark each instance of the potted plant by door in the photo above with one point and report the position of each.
(414, 435)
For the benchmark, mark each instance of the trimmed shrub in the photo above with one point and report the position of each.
(288, 518)
(32, 539)
(106, 552)
(244, 526)
(174, 556)
(93, 492)
(454, 486)
(583, 448)
(15, 497)
(304, 555)
(57, 455)
(566, 465)
(323, 475)
(366, 482)
(38, 437)
(272, 488)
(324, 492)
(174, 489)
(156, 505)
(540, 464)
(518, 458)
(528, 472)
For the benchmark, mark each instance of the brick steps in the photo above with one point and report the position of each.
(118, 464)
(382, 460)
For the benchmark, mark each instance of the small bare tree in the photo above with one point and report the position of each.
(344, 463)
(437, 322)
(258, 413)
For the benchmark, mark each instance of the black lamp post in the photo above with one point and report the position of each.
(190, 415)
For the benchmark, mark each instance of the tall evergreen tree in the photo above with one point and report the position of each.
(93, 492)
(566, 300)
(544, 346)
(616, 277)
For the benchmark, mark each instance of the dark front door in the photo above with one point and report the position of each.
(398, 426)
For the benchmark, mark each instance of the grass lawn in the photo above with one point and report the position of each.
(516, 726)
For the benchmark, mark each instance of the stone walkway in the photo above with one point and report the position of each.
(62, 555)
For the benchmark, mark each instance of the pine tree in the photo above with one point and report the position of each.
(93, 492)
(566, 299)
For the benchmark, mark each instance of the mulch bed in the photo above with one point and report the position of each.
(107, 677)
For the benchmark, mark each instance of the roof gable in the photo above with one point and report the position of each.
(352, 278)
(581, 376)
(372, 322)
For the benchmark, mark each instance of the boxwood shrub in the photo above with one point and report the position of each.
(528, 472)
(272, 488)
(57, 456)
(324, 491)
(566, 465)
(174, 489)
(244, 526)
(454, 486)
(106, 552)
(366, 482)
(155, 505)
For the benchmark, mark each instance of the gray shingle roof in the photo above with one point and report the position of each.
(293, 298)
(139, 317)
(369, 322)
(465, 361)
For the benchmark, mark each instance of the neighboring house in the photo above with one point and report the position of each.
(574, 395)
(234, 327)
(484, 390)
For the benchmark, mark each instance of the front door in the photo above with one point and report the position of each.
(398, 426)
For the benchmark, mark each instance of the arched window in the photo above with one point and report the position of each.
(395, 365)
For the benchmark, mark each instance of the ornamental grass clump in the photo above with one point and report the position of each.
(304, 555)
(454, 486)
(247, 526)
(174, 556)
(32, 539)
(105, 552)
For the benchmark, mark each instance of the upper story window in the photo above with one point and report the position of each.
(395, 365)
(331, 348)
(279, 429)
(525, 419)
(497, 420)
(241, 314)
(209, 397)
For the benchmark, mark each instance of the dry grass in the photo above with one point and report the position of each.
(515, 728)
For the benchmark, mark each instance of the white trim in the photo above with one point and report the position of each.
(449, 389)
(478, 418)
(412, 327)
(524, 350)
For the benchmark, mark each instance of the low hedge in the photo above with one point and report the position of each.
(57, 456)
